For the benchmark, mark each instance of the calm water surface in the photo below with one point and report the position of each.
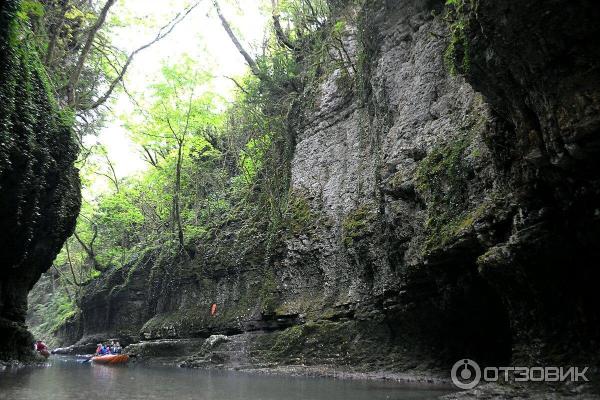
(66, 379)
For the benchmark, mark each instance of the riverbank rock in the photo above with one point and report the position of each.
(89, 343)
(64, 350)
(164, 348)
(219, 351)
(214, 340)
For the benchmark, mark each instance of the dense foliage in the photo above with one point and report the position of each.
(210, 162)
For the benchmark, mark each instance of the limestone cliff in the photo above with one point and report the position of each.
(446, 206)
(39, 187)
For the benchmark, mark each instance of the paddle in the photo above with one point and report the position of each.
(87, 360)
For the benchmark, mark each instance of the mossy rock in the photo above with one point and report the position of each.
(359, 224)
(457, 55)
(442, 180)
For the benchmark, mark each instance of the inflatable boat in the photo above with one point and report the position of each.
(111, 359)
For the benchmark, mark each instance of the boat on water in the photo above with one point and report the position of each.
(111, 359)
(44, 353)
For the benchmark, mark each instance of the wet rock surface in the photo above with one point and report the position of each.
(65, 350)
(163, 348)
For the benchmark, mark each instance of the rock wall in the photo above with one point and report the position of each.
(438, 215)
(544, 88)
(39, 187)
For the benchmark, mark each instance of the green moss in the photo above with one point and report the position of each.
(267, 294)
(445, 231)
(310, 306)
(290, 339)
(441, 179)
(396, 180)
(457, 55)
(298, 342)
(356, 343)
(300, 217)
(358, 224)
(192, 321)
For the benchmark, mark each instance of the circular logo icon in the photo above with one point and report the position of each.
(465, 374)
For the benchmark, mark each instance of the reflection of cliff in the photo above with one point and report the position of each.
(437, 217)
(39, 187)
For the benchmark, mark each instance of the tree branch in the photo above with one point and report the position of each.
(90, 249)
(249, 60)
(60, 276)
(114, 179)
(56, 29)
(237, 84)
(71, 265)
(152, 160)
(86, 50)
(281, 36)
(162, 33)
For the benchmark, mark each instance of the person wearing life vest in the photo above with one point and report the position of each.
(102, 350)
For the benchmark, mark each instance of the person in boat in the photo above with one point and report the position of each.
(101, 350)
(40, 346)
(42, 349)
(117, 348)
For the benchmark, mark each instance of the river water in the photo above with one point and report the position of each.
(65, 379)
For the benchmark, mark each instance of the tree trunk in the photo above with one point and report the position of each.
(249, 60)
(56, 29)
(176, 200)
(280, 34)
(84, 53)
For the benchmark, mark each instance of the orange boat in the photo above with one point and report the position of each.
(111, 359)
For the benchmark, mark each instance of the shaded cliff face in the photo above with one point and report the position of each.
(436, 217)
(544, 88)
(39, 187)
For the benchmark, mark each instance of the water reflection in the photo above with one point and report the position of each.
(67, 379)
